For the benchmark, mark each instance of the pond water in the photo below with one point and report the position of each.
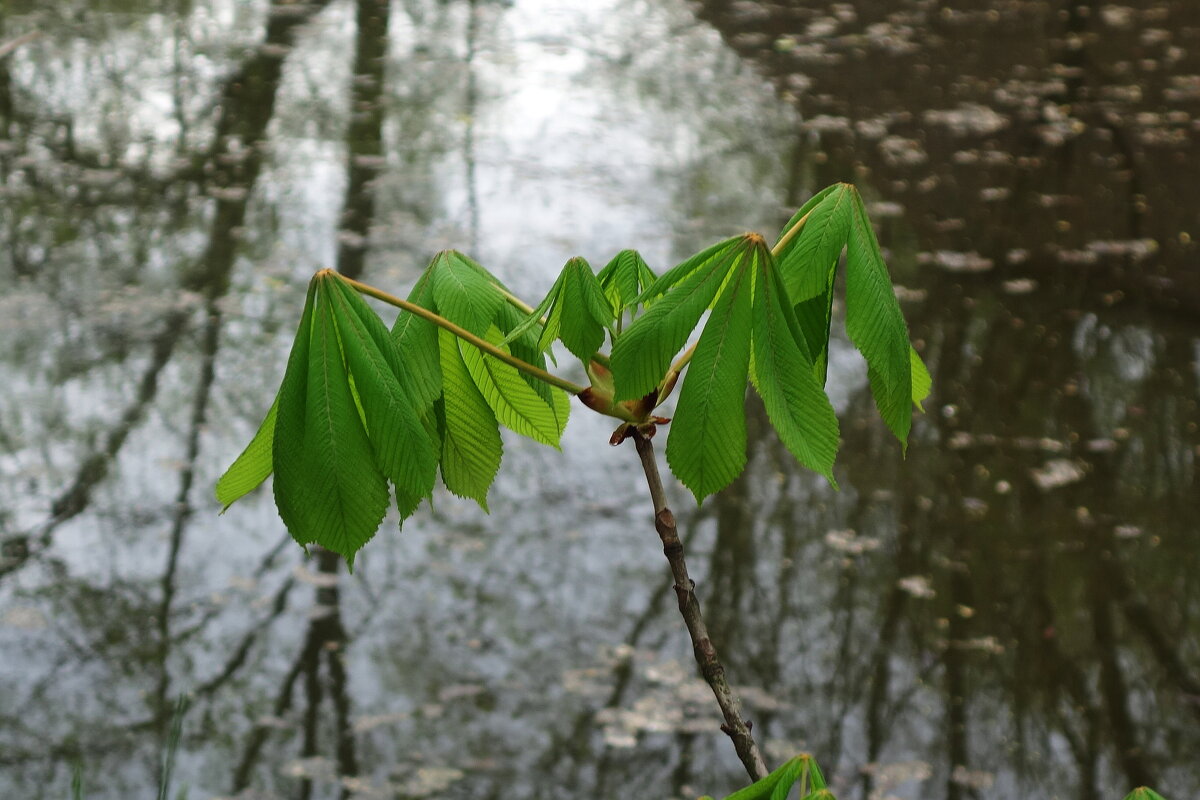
(1011, 610)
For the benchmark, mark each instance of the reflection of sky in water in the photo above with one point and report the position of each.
(536, 651)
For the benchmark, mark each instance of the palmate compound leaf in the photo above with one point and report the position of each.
(1144, 793)
(643, 353)
(707, 446)
(809, 249)
(623, 280)
(575, 311)
(328, 488)
(778, 784)
(343, 424)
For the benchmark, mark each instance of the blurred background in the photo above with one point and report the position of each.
(1011, 611)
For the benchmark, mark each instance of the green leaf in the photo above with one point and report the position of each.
(287, 448)
(796, 404)
(464, 292)
(643, 353)
(471, 446)
(549, 330)
(332, 493)
(1144, 793)
(416, 341)
(585, 311)
(815, 776)
(814, 318)
(809, 257)
(514, 402)
(922, 382)
(764, 787)
(624, 279)
(575, 311)
(252, 467)
(403, 449)
(876, 326)
(707, 445)
(525, 348)
(789, 773)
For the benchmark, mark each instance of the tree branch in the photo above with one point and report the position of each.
(711, 668)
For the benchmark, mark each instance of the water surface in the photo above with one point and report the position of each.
(1010, 610)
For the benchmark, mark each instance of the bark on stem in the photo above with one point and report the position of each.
(735, 727)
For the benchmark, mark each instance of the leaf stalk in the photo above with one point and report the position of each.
(465, 335)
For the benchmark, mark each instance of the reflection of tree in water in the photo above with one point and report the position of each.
(91, 222)
(1096, 660)
(1016, 603)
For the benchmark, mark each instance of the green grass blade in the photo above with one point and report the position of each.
(252, 467)
(876, 326)
(512, 400)
(624, 279)
(796, 404)
(707, 445)
(643, 353)
(471, 446)
(403, 450)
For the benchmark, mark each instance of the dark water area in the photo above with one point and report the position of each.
(1012, 610)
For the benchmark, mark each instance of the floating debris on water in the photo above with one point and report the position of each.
(849, 542)
(1127, 531)
(969, 119)
(1019, 286)
(1055, 473)
(952, 261)
(1135, 249)
(918, 586)
(975, 779)
(898, 151)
